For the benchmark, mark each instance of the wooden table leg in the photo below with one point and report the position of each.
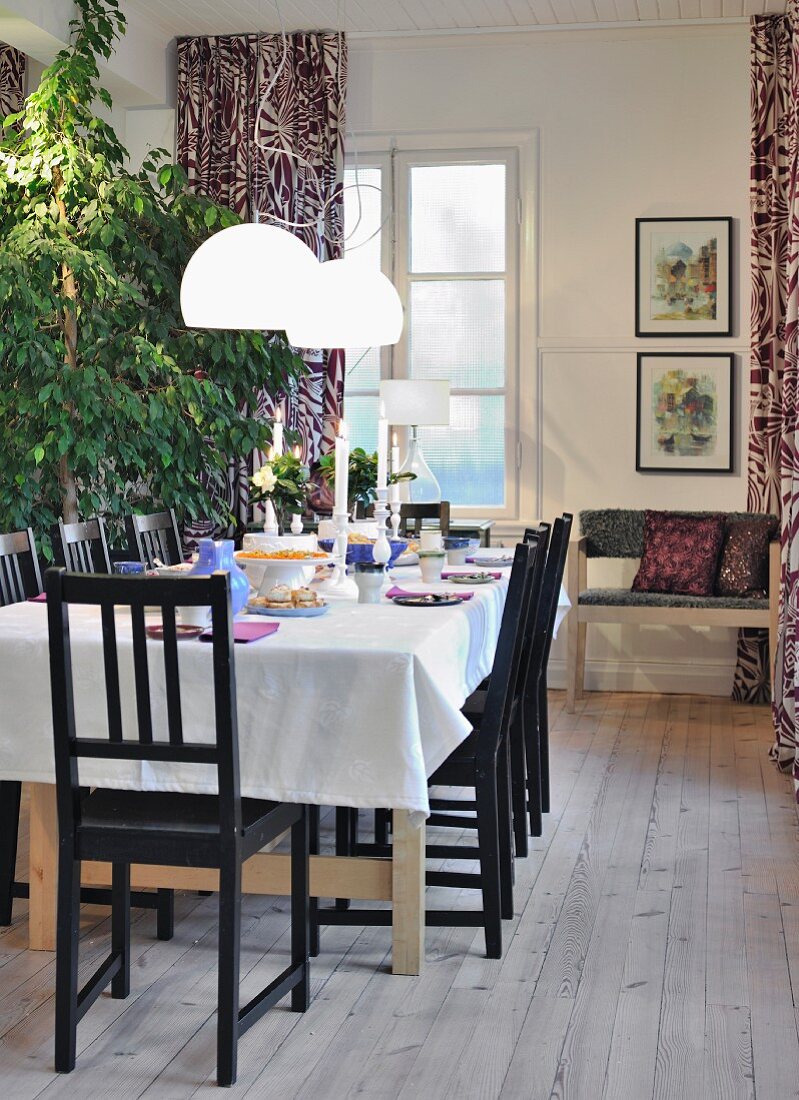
(408, 866)
(43, 867)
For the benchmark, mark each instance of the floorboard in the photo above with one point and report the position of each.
(653, 955)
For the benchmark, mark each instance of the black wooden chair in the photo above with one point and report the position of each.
(412, 517)
(20, 579)
(480, 762)
(84, 546)
(187, 830)
(154, 537)
(537, 724)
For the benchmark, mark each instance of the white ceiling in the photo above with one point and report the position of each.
(177, 17)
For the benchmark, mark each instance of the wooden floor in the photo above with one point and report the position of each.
(655, 953)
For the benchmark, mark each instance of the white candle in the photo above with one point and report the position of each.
(277, 433)
(382, 449)
(393, 489)
(342, 468)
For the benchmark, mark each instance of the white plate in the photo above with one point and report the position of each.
(289, 612)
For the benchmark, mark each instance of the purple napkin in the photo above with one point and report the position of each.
(246, 632)
(394, 592)
(41, 598)
(455, 573)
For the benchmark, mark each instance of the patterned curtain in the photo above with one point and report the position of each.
(12, 80)
(222, 82)
(774, 424)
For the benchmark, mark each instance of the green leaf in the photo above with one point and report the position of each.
(211, 215)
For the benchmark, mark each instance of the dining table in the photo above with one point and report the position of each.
(354, 707)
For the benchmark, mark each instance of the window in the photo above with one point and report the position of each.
(453, 258)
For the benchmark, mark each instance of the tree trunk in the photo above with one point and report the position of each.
(69, 328)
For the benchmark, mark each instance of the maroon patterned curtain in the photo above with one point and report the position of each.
(222, 82)
(774, 424)
(12, 80)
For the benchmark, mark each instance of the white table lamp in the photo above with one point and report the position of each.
(414, 403)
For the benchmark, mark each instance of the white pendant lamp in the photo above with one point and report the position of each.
(346, 305)
(248, 276)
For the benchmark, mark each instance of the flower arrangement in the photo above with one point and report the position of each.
(284, 481)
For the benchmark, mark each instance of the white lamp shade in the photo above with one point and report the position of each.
(248, 276)
(346, 305)
(408, 401)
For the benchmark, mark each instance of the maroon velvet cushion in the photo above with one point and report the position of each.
(680, 553)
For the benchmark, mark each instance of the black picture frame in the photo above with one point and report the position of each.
(686, 464)
(684, 329)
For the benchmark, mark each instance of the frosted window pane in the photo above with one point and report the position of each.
(468, 456)
(458, 218)
(362, 222)
(457, 331)
(361, 415)
(362, 373)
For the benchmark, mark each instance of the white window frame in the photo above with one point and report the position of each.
(389, 151)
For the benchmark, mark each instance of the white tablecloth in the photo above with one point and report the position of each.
(356, 708)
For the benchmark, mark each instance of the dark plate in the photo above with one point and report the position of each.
(156, 631)
(433, 600)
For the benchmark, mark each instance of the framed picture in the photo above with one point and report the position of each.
(685, 416)
(683, 277)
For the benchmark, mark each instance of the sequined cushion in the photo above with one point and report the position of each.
(680, 553)
(743, 568)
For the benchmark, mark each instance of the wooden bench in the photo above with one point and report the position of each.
(618, 533)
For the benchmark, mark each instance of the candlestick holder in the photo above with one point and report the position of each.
(341, 520)
(381, 552)
(395, 518)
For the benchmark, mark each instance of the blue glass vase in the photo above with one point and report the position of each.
(219, 555)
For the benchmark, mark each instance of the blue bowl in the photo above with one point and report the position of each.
(362, 551)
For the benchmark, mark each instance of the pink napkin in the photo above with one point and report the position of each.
(455, 573)
(394, 592)
(246, 632)
(41, 598)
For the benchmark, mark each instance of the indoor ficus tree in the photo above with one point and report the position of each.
(103, 390)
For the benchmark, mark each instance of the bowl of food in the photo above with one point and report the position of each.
(265, 568)
(359, 548)
(182, 569)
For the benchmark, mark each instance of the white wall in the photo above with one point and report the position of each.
(632, 123)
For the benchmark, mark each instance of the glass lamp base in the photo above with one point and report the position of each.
(423, 488)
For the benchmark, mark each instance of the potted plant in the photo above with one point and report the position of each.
(283, 480)
(362, 483)
(106, 396)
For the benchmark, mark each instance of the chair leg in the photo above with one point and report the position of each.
(313, 903)
(300, 914)
(10, 796)
(518, 781)
(543, 741)
(165, 914)
(344, 841)
(488, 843)
(120, 927)
(573, 686)
(381, 826)
(505, 832)
(227, 1033)
(534, 752)
(66, 966)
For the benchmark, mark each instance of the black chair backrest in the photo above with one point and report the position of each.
(550, 591)
(412, 516)
(134, 592)
(19, 567)
(527, 562)
(155, 536)
(85, 546)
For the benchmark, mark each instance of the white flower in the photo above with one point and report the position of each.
(264, 479)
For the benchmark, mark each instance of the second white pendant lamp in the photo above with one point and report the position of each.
(346, 305)
(247, 276)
